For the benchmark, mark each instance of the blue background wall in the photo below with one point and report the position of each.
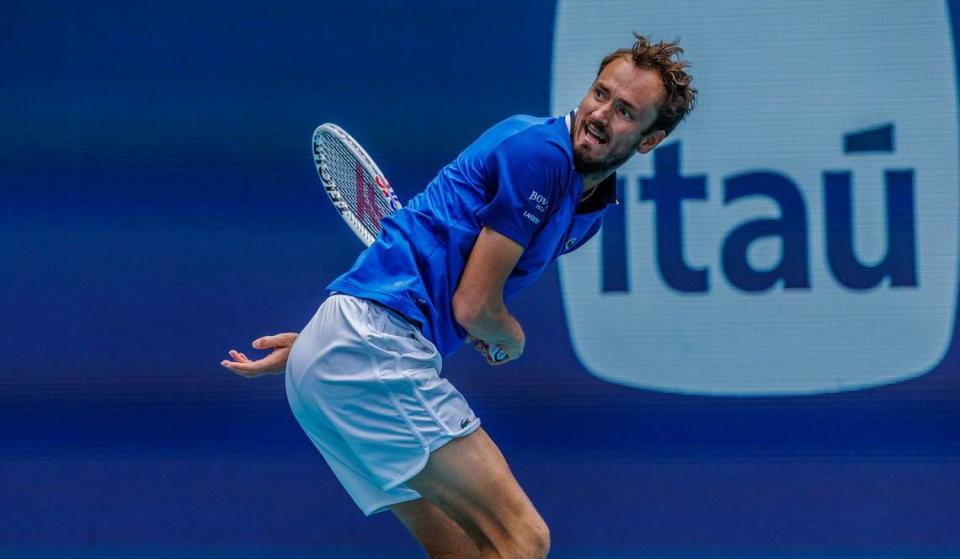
(159, 206)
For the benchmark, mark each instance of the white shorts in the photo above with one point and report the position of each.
(365, 386)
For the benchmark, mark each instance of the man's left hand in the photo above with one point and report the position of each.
(272, 364)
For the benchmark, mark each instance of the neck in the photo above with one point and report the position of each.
(591, 180)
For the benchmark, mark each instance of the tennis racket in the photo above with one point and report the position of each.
(352, 181)
(357, 188)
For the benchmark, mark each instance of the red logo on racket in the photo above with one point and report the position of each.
(367, 207)
(384, 185)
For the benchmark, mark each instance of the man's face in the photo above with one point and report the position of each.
(613, 117)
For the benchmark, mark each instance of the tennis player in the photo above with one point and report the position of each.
(363, 378)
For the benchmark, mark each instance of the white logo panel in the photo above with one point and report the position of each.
(799, 233)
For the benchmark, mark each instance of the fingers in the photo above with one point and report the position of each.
(250, 368)
(246, 370)
(242, 369)
(237, 356)
(277, 340)
(273, 363)
(243, 366)
(265, 342)
(482, 347)
(500, 355)
(493, 356)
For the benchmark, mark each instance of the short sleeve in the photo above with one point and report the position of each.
(527, 177)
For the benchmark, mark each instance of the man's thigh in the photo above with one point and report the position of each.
(469, 480)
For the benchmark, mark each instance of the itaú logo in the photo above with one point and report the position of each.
(799, 234)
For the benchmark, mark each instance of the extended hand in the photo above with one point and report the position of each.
(272, 364)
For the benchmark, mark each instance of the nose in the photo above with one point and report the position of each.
(602, 113)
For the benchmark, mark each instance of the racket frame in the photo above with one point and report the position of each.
(384, 190)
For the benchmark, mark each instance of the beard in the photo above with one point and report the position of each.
(588, 166)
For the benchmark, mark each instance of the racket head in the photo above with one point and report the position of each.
(355, 185)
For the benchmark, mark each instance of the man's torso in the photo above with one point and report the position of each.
(519, 179)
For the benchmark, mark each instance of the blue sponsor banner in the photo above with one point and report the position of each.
(755, 358)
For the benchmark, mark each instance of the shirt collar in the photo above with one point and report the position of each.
(608, 189)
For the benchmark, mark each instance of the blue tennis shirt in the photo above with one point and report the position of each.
(517, 178)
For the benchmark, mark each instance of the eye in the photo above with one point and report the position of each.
(626, 114)
(600, 94)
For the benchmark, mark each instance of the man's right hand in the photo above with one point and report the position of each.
(272, 364)
(498, 354)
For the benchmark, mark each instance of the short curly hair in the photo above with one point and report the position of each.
(665, 59)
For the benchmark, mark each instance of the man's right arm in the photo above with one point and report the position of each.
(478, 304)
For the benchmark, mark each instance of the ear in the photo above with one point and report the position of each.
(650, 141)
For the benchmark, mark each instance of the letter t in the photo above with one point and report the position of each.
(667, 189)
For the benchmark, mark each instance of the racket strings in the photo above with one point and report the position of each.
(356, 187)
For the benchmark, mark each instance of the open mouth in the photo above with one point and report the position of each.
(594, 133)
